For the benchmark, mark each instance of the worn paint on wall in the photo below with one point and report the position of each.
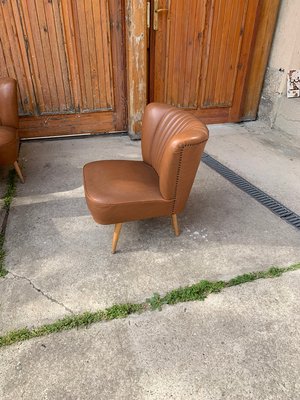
(293, 83)
(285, 55)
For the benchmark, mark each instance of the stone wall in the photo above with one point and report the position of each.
(275, 108)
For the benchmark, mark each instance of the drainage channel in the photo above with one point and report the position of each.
(263, 198)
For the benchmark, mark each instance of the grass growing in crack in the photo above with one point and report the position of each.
(8, 197)
(71, 322)
(10, 189)
(198, 291)
(3, 271)
(273, 272)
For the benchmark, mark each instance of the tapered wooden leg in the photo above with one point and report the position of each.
(116, 237)
(175, 224)
(18, 171)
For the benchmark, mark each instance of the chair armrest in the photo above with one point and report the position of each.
(9, 103)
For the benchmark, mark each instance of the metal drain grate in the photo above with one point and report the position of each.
(263, 198)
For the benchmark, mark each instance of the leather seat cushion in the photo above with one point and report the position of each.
(9, 145)
(120, 191)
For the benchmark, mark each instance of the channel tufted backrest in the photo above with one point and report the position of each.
(173, 141)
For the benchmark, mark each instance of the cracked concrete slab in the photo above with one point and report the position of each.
(242, 343)
(20, 301)
(53, 242)
(38, 290)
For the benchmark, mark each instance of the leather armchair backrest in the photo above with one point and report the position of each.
(173, 141)
(8, 103)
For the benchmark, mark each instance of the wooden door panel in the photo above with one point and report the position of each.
(206, 46)
(93, 46)
(68, 59)
(42, 25)
(183, 61)
(223, 52)
(13, 55)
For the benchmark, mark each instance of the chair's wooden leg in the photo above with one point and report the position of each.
(175, 224)
(18, 171)
(116, 237)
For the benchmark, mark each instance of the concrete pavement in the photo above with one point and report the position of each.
(240, 344)
(60, 261)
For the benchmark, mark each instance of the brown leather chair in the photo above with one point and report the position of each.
(9, 123)
(118, 191)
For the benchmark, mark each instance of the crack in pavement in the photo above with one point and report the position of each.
(3, 279)
(40, 291)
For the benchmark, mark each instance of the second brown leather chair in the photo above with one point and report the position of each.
(118, 191)
(9, 123)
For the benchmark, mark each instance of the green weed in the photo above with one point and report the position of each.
(196, 292)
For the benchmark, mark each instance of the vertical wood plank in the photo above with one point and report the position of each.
(240, 40)
(5, 45)
(107, 47)
(46, 53)
(82, 42)
(193, 56)
(217, 11)
(90, 31)
(183, 61)
(99, 50)
(68, 28)
(175, 48)
(159, 55)
(225, 39)
(19, 57)
(37, 56)
(186, 59)
(8, 52)
(52, 53)
(34, 77)
(58, 38)
(116, 11)
(3, 67)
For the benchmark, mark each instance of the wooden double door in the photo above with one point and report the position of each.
(199, 54)
(68, 57)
